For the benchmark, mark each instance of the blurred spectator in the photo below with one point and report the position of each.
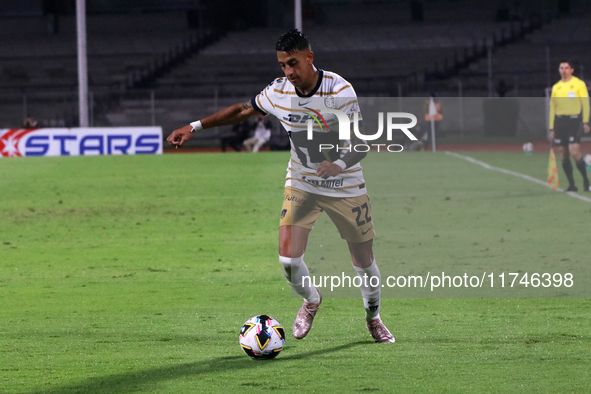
(279, 139)
(29, 123)
(262, 134)
(236, 137)
(424, 131)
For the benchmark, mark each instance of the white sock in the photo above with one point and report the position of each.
(370, 294)
(294, 270)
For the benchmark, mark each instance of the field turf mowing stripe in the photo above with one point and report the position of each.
(134, 274)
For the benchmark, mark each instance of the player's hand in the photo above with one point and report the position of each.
(180, 136)
(551, 135)
(586, 127)
(327, 169)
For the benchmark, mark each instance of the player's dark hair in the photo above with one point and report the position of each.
(570, 63)
(293, 41)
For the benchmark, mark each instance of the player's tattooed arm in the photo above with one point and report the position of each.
(233, 114)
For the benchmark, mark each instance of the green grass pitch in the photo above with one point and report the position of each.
(134, 274)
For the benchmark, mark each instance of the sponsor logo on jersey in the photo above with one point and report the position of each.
(316, 118)
(294, 199)
(325, 182)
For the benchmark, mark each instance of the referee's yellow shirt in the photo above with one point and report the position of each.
(578, 97)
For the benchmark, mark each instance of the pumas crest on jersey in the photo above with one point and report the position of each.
(329, 102)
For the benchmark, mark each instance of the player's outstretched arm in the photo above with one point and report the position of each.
(233, 114)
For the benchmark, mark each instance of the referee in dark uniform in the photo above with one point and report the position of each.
(568, 105)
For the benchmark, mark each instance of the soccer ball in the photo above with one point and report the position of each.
(528, 147)
(262, 337)
(587, 159)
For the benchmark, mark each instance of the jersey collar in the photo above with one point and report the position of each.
(313, 91)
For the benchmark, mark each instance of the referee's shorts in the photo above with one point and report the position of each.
(567, 130)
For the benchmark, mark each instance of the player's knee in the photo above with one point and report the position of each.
(361, 253)
(284, 248)
(285, 241)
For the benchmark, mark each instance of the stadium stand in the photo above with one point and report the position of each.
(38, 58)
(530, 66)
(116, 45)
(243, 60)
(379, 61)
(384, 48)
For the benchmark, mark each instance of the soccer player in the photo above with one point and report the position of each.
(570, 100)
(313, 184)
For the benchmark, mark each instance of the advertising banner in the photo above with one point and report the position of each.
(80, 141)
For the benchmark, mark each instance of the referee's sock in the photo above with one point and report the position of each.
(567, 166)
(582, 167)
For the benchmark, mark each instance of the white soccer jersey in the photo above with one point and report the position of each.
(281, 99)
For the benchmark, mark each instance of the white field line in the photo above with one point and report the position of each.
(517, 174)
